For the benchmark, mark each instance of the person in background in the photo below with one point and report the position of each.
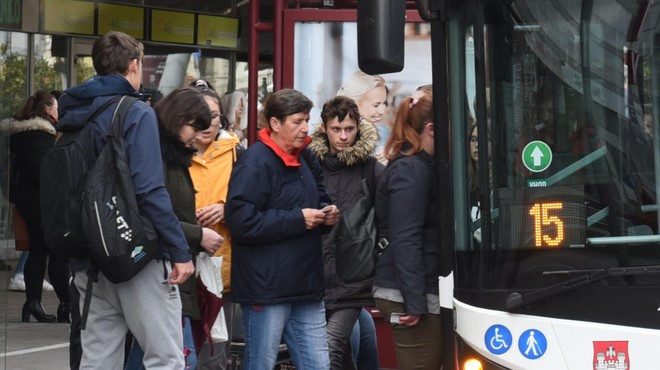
(183, 115)
(473, 179)
(370, 95)
(364, 342)
(343, 147)
(648, 124)
(406, 282)
(210, 171)
(275, 208)
(116, 308)
(32, 134)
(234, 105)
(17, 282)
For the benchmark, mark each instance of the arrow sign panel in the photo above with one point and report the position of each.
(537, 156)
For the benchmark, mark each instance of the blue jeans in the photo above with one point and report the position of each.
(301, 325)
(363, 341)
(134, 360)
(20, 266)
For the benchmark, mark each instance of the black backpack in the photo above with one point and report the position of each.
(62, 178)
(102, 217)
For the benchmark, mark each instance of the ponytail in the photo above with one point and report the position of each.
(35, 106)
(412, 116)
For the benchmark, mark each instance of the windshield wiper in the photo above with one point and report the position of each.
(515, 299)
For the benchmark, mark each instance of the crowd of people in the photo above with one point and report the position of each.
(275, 214)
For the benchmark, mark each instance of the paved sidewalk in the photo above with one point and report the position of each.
(30, 346)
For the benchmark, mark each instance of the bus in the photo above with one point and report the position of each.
(547, 165)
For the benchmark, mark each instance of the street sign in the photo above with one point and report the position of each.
(537, 156)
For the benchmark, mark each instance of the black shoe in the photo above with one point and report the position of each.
(63, 313)
(35, 309)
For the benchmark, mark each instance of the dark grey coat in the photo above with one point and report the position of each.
(346, 286)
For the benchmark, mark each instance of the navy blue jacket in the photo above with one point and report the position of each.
(142, 144)
(275, 259)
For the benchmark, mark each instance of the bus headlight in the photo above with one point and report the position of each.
(472, 364)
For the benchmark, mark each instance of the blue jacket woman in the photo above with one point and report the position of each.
(273, 258)
(275, 205)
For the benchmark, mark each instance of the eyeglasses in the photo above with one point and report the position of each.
(216, 118)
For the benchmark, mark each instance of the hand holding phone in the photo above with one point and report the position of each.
(400, 318)
(395, 317)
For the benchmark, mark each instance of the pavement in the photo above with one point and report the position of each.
(30, 346)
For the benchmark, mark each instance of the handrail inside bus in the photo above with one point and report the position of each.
(577, 165)
(617, 240)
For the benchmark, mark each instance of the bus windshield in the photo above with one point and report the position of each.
(557, 155)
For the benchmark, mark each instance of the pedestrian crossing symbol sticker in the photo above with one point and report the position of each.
(537, 156)
(532, 344)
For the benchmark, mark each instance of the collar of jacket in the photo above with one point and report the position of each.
(218, 148)
(290, 160)
(12, 126)
(174, 152)
(426, 157)
(365, 144)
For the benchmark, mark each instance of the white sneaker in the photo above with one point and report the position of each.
(47, 286)
(17, 283)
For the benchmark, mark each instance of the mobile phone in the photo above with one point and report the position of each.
(395, 317)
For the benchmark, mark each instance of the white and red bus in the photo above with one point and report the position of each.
(551, 259)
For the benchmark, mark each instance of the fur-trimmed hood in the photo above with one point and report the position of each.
(359, 152)
(12, 126)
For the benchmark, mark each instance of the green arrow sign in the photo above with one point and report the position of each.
(537, 156)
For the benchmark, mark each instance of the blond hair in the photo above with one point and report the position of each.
(359, 83)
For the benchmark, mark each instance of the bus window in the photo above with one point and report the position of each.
(571, 167)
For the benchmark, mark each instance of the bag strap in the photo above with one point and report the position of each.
(369, 173)
(119, 115)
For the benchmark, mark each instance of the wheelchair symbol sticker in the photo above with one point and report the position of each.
(532, 344)
(498, 339)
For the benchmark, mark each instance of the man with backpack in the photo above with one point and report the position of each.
(148, 304)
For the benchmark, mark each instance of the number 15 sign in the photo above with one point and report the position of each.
(553, 217)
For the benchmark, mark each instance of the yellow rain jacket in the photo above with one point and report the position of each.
(210, 175)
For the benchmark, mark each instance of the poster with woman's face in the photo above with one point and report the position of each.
(326, 55)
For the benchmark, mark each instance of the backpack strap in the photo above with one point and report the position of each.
(369, 173)
(120, 113)
(92, 277)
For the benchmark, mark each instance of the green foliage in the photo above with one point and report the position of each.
(13, 73)
(46, 77)
(84, 69)
(13, 79)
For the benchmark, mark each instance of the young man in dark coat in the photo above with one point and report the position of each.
(344, 147)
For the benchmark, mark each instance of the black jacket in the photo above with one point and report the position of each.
(29, 142)
(345, 285)
(176, 161)
(406, 214)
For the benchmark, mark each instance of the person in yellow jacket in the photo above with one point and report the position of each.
(210, 171)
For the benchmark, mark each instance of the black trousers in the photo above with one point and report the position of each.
(39, 257)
